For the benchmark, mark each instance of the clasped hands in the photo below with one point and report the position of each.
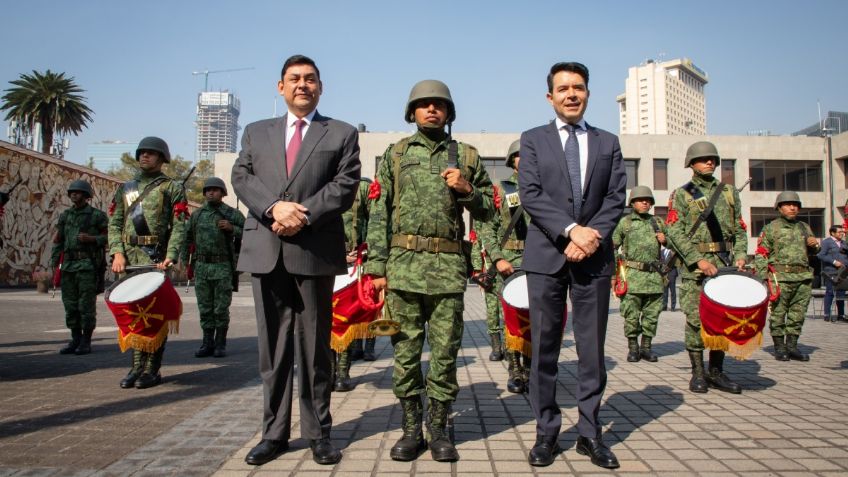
(289, 218)
(584, 241)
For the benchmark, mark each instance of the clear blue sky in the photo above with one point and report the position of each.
(768, 61)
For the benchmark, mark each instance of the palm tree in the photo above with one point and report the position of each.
(50, 99)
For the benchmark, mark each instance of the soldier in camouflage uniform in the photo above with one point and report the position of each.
(415, 234)
(213, 231)
(481, 260)
(355, 226)
(637, 239)
(150, 232)
(783, 248)
(81, 241)
(508, 257)
(719, 241)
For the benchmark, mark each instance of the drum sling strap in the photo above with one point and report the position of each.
(136, 213)
(707, 214)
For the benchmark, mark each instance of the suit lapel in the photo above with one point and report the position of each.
(316, 131)
(591, 159)
(555, 143)
(277, 133)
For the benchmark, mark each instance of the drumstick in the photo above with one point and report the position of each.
(134, 268)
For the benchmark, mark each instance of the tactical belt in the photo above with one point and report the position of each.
(141, 240)
(514, 244)
(642, 266)
(211, 258)
(791, 268)
(418, 243)
(715, 247)
(76, 255)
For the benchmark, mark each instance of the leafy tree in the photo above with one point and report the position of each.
(90, 164)
(49, 98)
(178, 169)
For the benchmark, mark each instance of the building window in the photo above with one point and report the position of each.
(660, 174)
(661, 212)
(728, 171)
(760, 216)
(496, 168)
(774, 175)
(631, 166)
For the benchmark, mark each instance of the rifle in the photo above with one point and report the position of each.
(190, 172)
(740, 189)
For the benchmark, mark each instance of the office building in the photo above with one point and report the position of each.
(217, 123)
(106, 155)
(664, 98)
(834, 122)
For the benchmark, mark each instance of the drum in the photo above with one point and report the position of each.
(350, 316)
(733, 310)
(515, 302)
(146, 308)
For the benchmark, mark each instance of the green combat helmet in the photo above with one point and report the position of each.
(80, 185)
(787, 196)
(215, 182)
(152, 143)
(641, 192)
(512, 152)
(429, 89)
(702, 149)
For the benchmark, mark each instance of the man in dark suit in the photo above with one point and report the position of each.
(833, 257)
(296, 174)
(573, 186)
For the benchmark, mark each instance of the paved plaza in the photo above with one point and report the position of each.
(66, 415)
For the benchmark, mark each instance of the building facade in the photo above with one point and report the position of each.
(106, 155)
(217, 123)
(664, 98)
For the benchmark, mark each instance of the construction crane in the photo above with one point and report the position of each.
(206, 74)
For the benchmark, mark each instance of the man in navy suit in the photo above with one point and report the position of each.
(573, 186)
(833, 257)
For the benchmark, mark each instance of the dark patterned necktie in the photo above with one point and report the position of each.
(294, 145)
(572, 160)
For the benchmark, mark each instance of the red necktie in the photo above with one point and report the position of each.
(294, 145)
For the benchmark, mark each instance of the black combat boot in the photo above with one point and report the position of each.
(780, 352)
(342, 382)
(698, 383)
(85, 342)
(220, 342)
(412, 443)
(515, 382)
(645, 350)
(138, 359)
(71, 347)
(633, 350)
(369, 349)
(441, 443)
(208, 346)
(497, 353)
(150, 375)
(716, 377)
(356, 350)
(792, 349)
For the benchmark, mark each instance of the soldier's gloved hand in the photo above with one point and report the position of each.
(455, 181)
(380, 284)
(504, 267)
(707, 268)
(119, 263)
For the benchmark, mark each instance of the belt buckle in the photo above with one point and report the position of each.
(423, 244)
(713, 247)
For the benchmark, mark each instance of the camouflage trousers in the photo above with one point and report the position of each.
(786, 315)
(440, 318)
(79, 295)
(690, 300)
(641, 312)
(494, 320)
(213, 301)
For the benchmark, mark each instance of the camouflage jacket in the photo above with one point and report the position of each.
(78, 256)
(356, 218)
(165, 211)
(425, 207)
(211, 258)
(492, 231)
(783, 246)
(684, 212)
(635, 241)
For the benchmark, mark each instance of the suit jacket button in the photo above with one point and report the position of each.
(570, 200)
(287, 194)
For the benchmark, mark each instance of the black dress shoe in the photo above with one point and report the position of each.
(266, 451)
(601, 455)
(544, 451)
(323, 452)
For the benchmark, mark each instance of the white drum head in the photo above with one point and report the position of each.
(736, 291)
(137, 287)
(515, 292)
(342, 281)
